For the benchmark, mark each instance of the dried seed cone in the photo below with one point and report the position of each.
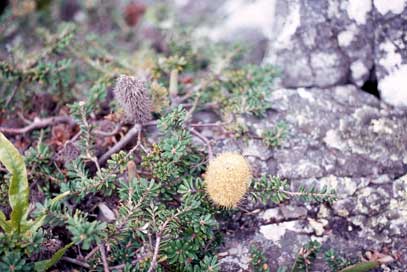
(132, 96)
(227, 179)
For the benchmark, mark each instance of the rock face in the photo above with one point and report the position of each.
(327, 43)
(391, 51)
(346, 140)
(237, 21)
(322, 43)
(317, 43)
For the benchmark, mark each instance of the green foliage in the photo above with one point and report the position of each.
(208, 264)
(18, 188)
(174, 155)
(173, 120)
(14, 261)
(245, 90)
(308, 253)
(39, 69)
(275, 136)
(334, 261)
(361, 267)
(172, 63)
(47, 264)
(272, 188)
(85, 232)
(20, 234)
(258, 260)
(306, 256)
(40, 165)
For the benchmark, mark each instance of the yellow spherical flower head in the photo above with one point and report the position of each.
(227, 179)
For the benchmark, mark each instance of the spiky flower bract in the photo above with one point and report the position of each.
(227, 179)
(132, 96)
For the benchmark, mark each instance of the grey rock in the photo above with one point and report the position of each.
(344, 139)
(322, 43)
(344, 207)
(275, 232)
(293, 212)
(325, 43)
(231, 22)
(324, 212)
(238, 258)
(105, 213)
(390, 51)
(371, 201)
(273, 214)
(317, 43)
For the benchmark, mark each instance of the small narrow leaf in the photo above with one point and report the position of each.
(3, 223)
(361, 267)
(47, 264)
(33, 226)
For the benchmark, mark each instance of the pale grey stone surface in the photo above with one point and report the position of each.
(316, 43)
(343, 139)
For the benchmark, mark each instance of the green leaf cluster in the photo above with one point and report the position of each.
(272, 188)
(19, 228)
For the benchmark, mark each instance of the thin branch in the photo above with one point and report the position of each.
(122, 143)
(103, 255)
(91, 253)
(125, 140)
(217, 124)
(25, 120)
(121, 266)
(173, 88)
(73, 139)
(107, 134)
(185, 97)
(150, 123)
(13, 93)
(38, 124)
(94, 64)
(306, 194)
(136, 146)
(194, 105)
(96, 162)
(75, 261)
(156, 250)
(158, 239)
(205, 140)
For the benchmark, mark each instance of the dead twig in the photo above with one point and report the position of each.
(205, 140)
(13, 93)
(108, 134)
(91, 253)
(135, 130)
(136, 146)
(122, 143)
(25, 120)
(103, 255)
(217, 124)
(75, 261)
(38, 124)
(194, 105)
(158, 239)
(121, 266)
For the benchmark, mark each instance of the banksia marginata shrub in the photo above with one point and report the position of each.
(132, 96)
(227, 179)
